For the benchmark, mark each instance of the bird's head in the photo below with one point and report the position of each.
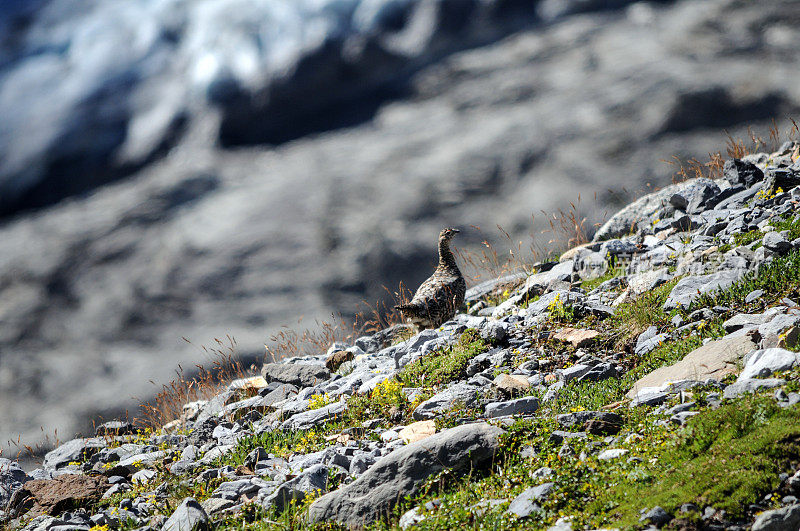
(448, 233)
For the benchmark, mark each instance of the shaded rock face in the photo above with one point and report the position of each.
(200, 240)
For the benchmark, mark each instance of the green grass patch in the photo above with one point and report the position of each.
(634, 317)
(579, 396)
(613, 272)
(779, 278)
(725, 458)
(791, 224)
(445, 365)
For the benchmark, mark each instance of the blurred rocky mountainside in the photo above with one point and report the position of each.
(180, 169)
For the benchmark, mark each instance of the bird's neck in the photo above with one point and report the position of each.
(446, 258)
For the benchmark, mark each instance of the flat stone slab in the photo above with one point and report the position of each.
(577, 337)
(54, 496)
(460, 393)
(751, 385)
(716, 360)
(188, 516)
(690, 288)
(400, 473)
(520, 406)
(417, 431)
(298, 374)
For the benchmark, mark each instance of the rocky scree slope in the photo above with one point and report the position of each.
(648, 379)
(199, 237)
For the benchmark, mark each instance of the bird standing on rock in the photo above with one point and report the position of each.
(438, 298)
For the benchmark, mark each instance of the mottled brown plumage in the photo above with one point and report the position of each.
(438, 298)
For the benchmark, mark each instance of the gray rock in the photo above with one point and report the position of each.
(400, 473)
(297, 374)
(783, 178)
(282, 392)
(137, 462)
(737, 171)
(558, 436)
(315, 479)
(742, 386)
(579, 418)
(650, 332)
(525, 503)
(694, 196)
(592, 266)
(443, 401)
(189, 516)
(611, 454)
(308, 419)
(115, 427)
(763, 363)
(618, 248)
(650, 398)
(360, 463)
(520, 406)
(537, 284)
(650, 344)
(781, 519)
(562, 524)
(233, 490)
(496, 331)
(182, 466)
(74, 450)
(210, 410)
(567, 298)
(744, 320)
(410, 518)
(574, 372)
(552, 391)
(774, 241)
(327, 456)
(689, 288)
(599, 372)
(12, 477)
(215, 505)
(657, 516)
(623, 221)
(487, 286)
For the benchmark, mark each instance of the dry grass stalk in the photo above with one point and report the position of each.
(567, 228)
(382, 315)
(487, 262)
(207, 382)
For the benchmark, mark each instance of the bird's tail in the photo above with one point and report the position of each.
(404, 307)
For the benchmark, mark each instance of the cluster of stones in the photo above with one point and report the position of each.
(684, 230)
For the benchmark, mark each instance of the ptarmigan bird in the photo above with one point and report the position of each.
(438, 298)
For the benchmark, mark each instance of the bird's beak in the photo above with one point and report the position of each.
(456, 231)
